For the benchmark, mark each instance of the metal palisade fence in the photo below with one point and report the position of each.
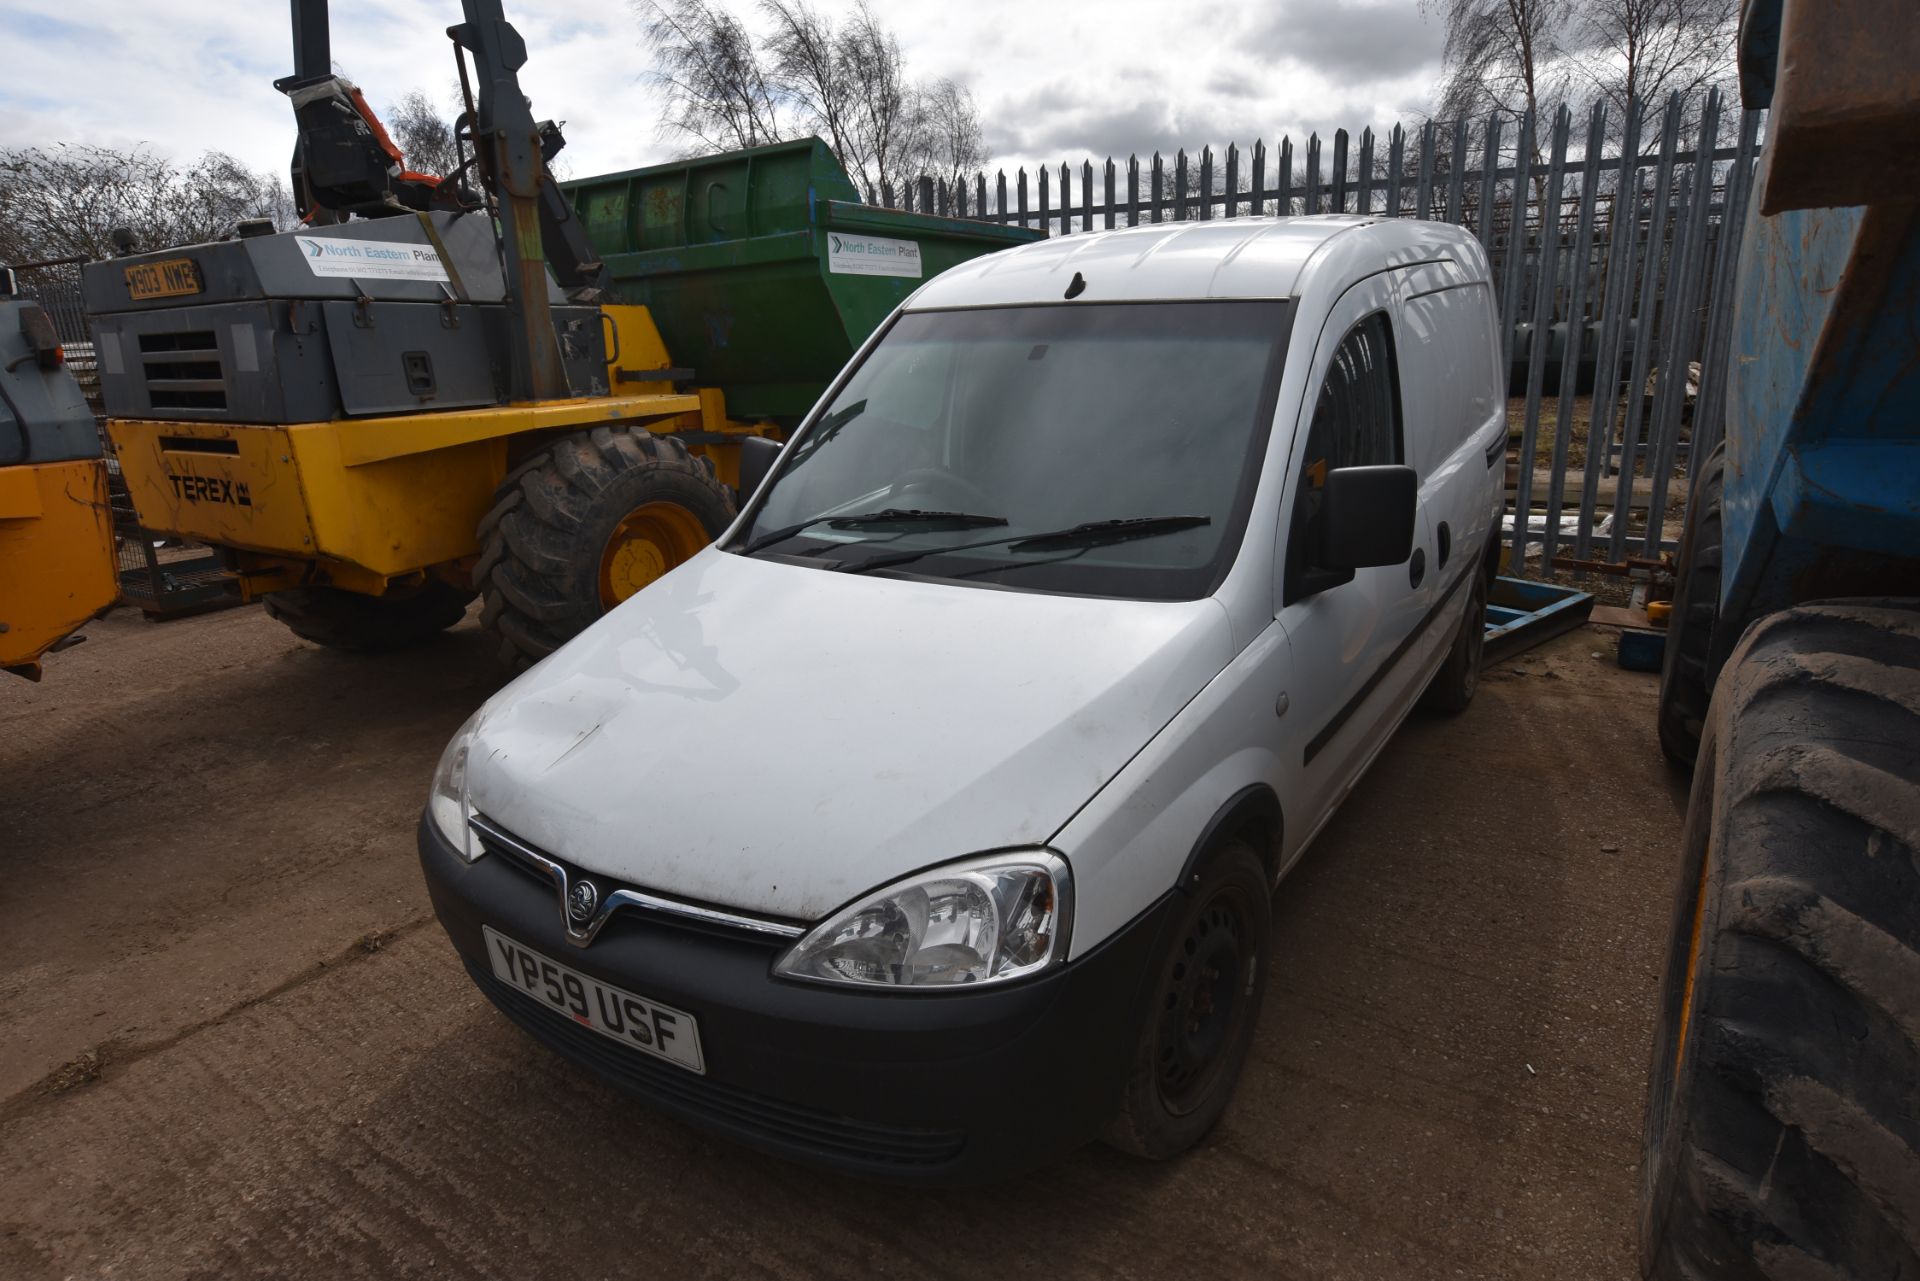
(1613, 249)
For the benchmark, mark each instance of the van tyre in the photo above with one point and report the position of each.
(1687, 668)
(1209, 981)
(1452, 687)
(584, 523)
(342, 619)
(1783, 1117)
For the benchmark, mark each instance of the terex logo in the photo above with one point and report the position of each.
(210, 489)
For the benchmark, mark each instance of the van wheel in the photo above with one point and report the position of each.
(1687, 670)
(1209, 982)
(584, 524)
(341, 619)
(1452, 687)
(1783, 1115)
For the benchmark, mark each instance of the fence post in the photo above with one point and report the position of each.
(1180, 186)
(1489, 181)
(1395, 142)
(1539, 339)
(1364, 202)
(1313, 173)
(1339, 171)
(1259, 177)
(1133, 191)
(1286, 177)
(1159, 184)
(1513, 267)
(1423, 186)
(1108, 174)
(1708, 424)
(1233, 181)
(1683, 294)
(1456, 172)
(1022, 188)
(1616, 309)
(1643, 337)
(1046, 215)
(1580, 263)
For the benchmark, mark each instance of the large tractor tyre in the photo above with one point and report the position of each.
(584, 524)
(1687, 668)
(1783, 1113)
(369, 624)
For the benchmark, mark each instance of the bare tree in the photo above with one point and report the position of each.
(883, 99)
(844, 80)
(424, 136)
(946, 141)
(1501, 55)
(810, 59)
(848, 82)
(720, 92)
(66, 200)
(1641, 51)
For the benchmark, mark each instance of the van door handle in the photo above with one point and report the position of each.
(1417, 567)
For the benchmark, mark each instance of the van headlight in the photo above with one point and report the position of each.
(982, 920)
(447, 802)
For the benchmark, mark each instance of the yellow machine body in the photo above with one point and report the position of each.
(57, 557)
(360, 503)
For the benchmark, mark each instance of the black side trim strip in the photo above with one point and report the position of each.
(1341, 717)
(1497, 450)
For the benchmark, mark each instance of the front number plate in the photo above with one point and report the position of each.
(634, 1021)
(168, 278)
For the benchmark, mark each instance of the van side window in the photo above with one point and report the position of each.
(1356, 423)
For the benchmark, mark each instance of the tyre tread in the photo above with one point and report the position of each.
(536, 569)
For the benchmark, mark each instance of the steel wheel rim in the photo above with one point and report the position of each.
(1203, 1003)
(649, 540)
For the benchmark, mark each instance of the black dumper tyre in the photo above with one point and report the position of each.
(583, 524)
(1687, 668)
(1783, 1114)
(369, 624)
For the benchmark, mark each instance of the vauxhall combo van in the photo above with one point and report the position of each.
(927, 824)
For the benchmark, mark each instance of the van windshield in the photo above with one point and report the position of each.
(1045, 418)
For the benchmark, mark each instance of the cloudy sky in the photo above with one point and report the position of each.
(1055, 79)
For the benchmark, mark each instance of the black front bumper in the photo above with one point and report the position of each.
(939, 1087)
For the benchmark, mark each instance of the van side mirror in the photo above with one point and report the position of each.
(1370, 514)
(757, 455)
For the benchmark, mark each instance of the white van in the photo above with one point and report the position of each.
(926, 825)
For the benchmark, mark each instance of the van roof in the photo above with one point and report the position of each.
(1222, 258)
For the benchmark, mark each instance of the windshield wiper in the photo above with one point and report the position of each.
(885, 516)
(1092, 533)
(1096, 533)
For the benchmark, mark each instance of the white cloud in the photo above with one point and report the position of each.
(1056, 80)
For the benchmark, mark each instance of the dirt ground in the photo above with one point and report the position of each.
(234, 1043)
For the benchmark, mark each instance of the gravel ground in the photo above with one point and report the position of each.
(233, 1042)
